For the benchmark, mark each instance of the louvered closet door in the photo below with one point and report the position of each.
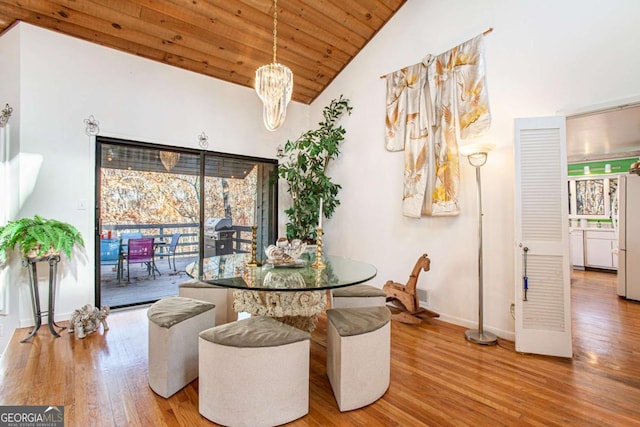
(543, 320)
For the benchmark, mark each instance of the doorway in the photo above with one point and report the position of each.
(605, 324)
(192, 204)
(599, 145)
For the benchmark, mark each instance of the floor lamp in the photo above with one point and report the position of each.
(477, 156)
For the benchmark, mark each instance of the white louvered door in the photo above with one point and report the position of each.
(543, 320)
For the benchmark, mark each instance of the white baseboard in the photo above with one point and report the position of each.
(507, 335)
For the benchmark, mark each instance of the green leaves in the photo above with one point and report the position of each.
(304, 171)
(37, 232)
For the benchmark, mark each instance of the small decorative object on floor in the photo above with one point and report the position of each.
(87, 319)
(405, 297)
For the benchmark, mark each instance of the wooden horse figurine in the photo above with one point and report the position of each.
(405, 297)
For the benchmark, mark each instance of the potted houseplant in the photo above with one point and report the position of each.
(37, 237)
(305, 172)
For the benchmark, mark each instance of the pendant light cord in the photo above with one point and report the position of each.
(275, 29)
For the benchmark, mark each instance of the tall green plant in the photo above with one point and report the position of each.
(40, 233)
(304, 171)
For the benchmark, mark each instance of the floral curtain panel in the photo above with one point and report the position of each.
(430, 106)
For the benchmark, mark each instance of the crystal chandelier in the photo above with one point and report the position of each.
(274, 84)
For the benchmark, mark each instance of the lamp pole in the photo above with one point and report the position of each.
(479, 336)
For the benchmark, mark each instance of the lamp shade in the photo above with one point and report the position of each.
(475, 148)
(476, 153)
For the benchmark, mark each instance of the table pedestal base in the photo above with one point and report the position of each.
(298, 309)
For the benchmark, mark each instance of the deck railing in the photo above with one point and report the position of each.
(189, 241)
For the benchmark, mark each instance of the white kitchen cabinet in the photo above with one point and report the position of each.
(598, 248)
(577, 248)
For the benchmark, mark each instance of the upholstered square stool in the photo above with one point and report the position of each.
(174, 325)
(358, 354)
(358, 296)
(221, 297)
(254, 372)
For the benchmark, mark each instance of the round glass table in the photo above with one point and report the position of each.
(293, 294)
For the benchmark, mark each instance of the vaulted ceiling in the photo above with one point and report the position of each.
(224, 39)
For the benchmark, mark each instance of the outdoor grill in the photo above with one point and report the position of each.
(218, 237)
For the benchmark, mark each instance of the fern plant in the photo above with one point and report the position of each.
(304, 171)
(38, 234)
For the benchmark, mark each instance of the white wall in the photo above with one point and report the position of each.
(542, 57)
(65, 80)
(9, 94)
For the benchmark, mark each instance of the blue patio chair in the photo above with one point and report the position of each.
(110, 254)
(171, 253)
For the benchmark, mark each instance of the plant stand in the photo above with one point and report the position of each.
(30, 264)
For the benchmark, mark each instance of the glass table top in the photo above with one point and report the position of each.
(232, 271)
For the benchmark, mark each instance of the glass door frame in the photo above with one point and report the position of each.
(266, 196)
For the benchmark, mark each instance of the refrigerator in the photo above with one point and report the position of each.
(629, 236)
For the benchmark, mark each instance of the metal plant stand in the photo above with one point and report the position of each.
(30, 264)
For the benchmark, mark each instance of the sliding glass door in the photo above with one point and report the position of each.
(193, 204)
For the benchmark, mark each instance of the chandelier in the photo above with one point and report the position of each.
(274, 84)
(169, 159)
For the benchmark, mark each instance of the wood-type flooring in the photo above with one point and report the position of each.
(437, 377)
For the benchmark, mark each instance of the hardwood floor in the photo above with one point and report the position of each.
(437, 378)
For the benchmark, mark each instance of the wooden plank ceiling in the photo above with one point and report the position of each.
(225, 39)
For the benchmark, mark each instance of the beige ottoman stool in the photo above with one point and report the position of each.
(254, 372)
(358, 296)
(174, 325)
(221, 297)
(358, 354)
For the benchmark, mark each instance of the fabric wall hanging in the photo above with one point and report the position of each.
(430, 106)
